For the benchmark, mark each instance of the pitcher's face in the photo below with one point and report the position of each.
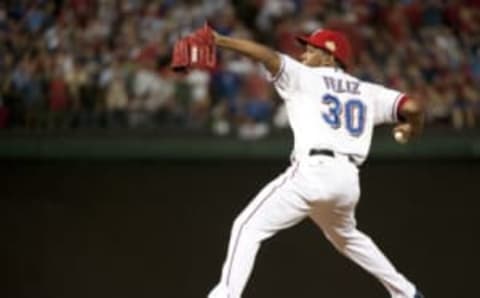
(316, 57)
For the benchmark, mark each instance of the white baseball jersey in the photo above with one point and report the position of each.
(330, 109)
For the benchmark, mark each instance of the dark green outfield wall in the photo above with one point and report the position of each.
(156, 145)
(77, 229)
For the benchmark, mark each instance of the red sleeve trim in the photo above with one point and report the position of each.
(398, 106)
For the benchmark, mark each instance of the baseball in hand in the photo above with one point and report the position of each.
(400, 137)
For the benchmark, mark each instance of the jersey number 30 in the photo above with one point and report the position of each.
(354, 111)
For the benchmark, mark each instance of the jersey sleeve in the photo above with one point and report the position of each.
(287, 79)
(387, 102)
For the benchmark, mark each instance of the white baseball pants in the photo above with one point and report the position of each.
(327, 190)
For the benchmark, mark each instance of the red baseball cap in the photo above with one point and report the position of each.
(334, 42)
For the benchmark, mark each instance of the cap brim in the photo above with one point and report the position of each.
(303, 39)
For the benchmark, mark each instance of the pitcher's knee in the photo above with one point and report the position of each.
(237, 224)
(249, 230)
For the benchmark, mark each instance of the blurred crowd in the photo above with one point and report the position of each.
(105, 63)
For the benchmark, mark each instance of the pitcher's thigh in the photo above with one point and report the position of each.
(278, 208)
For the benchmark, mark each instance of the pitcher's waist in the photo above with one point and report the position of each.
(353, 158)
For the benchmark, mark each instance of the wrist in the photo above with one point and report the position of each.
(217, 38)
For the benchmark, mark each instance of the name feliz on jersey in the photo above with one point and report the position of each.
(342, 86)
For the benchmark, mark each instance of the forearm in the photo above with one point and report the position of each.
(413, 113)
(269, 58)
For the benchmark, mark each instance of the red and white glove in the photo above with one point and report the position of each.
(196, 50)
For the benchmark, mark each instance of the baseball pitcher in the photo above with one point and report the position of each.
(332, 115)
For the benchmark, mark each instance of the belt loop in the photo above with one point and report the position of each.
(352, 160)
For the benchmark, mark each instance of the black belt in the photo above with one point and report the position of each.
(330, 153)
